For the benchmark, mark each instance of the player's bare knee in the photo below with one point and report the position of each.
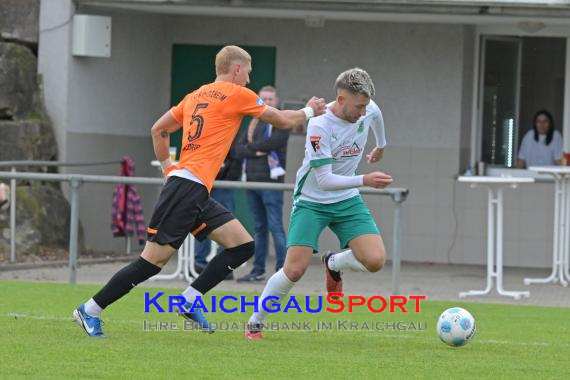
(375, 262)
(158, 254)
(155, 260)
(294, 272)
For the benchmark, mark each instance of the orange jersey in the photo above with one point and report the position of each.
(210, 118)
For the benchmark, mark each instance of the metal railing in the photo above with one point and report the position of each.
(13, 165)
(398, 196)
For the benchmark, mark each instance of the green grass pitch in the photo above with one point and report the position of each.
(38, 340)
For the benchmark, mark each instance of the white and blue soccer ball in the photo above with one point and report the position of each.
(456, 327)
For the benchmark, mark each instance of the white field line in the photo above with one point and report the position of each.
(53, 318)
(483, 341)
(379, 334)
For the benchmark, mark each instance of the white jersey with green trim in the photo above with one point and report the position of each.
(331, 140)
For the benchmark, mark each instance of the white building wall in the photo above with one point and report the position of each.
(54, 61)
(123, 95)
(420, 73)
(103, 108)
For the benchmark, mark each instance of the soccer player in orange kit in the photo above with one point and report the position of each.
(210, 117)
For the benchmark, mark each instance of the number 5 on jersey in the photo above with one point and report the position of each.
(199, 120)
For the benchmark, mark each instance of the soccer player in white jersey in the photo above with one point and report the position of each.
(326, 193)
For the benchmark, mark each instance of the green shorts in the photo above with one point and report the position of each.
(348, 219)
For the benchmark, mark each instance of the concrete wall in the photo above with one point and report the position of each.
(423, 78)
(409, 63)
(123, 95)
(103, 109)
(54, 61)
(112, 106)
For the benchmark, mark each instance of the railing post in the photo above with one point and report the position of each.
(74, 229)
(13, 218)
(398, 199)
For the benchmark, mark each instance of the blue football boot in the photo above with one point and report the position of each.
(196, 316)
(91, 325)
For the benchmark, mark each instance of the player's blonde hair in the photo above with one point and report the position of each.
(229, 55)
(357, 81)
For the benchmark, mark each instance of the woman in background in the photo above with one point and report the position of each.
(542, 145)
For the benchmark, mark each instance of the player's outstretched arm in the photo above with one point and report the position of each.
(288, 119)
(328, 181)
(160, 133)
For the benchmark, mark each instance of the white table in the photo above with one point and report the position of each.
(495, 187)
(560, 266)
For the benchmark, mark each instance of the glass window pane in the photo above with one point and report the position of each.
(511, 96)
(500, 102)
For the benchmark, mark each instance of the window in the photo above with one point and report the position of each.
(519, 76)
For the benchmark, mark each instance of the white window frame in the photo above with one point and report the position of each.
(513, 31)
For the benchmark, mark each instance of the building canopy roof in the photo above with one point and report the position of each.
(456, 11)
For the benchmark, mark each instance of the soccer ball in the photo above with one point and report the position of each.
(456, 327)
